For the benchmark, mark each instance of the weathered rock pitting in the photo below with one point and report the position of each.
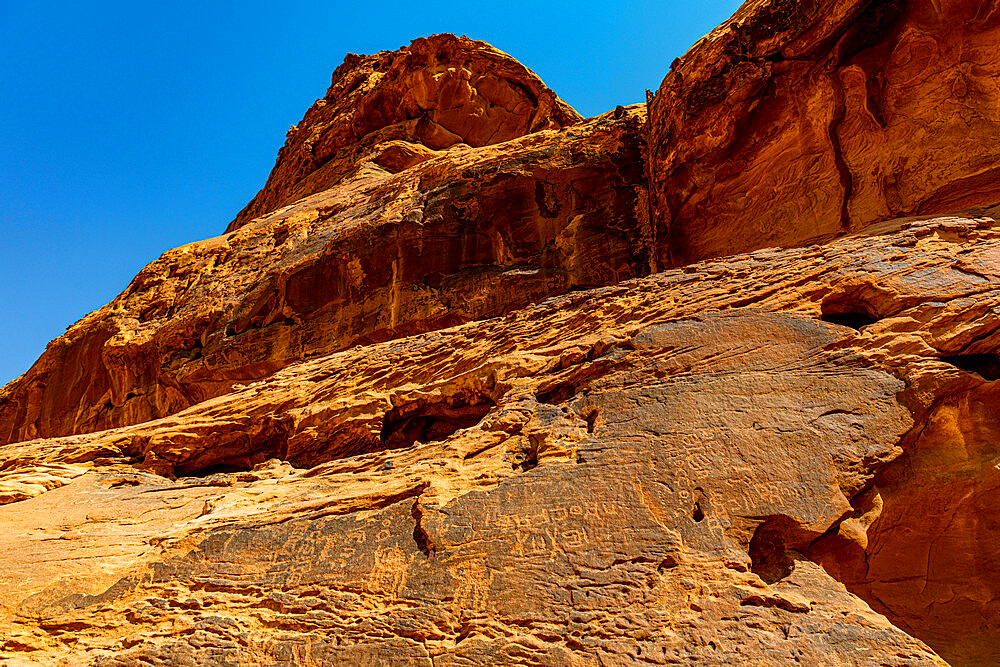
(680, 445)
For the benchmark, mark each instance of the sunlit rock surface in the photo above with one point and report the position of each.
(460, 387)
(798, 121)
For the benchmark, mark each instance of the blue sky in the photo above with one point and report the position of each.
(127, 128)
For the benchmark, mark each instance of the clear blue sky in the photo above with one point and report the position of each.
(127, 128)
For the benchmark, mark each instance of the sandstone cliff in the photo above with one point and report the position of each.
(798, 121)
(389, 251)
(646, 471)
(396, 108)
(432, 398)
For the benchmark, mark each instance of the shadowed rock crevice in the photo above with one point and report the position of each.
(525, 459)
(849, 311)
(420, 536)
(855, 319)
(585, 369)
(238, 450)
(771, 558)
(986, 366)
(428, 422)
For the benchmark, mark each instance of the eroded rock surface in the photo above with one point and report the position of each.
(797, 121)
(469, 234)
(428, 400)
(398, 107)
(646, 471)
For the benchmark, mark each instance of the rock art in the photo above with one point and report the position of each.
(656, 469)
(710, 380)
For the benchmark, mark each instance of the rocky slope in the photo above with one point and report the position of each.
(432, 399)
(463, 234)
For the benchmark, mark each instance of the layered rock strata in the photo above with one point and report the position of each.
(652, 472)
(390, 417)
(467, 234)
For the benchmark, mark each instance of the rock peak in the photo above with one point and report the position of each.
(397, 107)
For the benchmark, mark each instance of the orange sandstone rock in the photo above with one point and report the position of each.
(798, 121)
(397, 108)
(429, 401)
(644, 470)
(469, 234)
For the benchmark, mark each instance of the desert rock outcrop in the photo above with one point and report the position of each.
(469, 234)
(650, 470)
(797, 121)
(398, 107)
(452, 389)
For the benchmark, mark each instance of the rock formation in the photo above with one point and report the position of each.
(797, 121)
(397, 108)
(475, 381)
(465, 234)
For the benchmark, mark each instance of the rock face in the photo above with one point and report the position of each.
(646, 471)
(430, 399)
(467, 234)
(396, 108)
(798, 121)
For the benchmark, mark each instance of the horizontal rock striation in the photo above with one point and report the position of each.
(469, 234)
(654, 470)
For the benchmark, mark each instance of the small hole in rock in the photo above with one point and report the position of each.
(557, 394)
(986, 366)
(668, 563)
(525, 461)
(217, 469)
(769, 556)
(119, 483)
(853, 313)
(239, 450)
(406, 425)
(852, 320)
(698, 514)
(527, 458)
